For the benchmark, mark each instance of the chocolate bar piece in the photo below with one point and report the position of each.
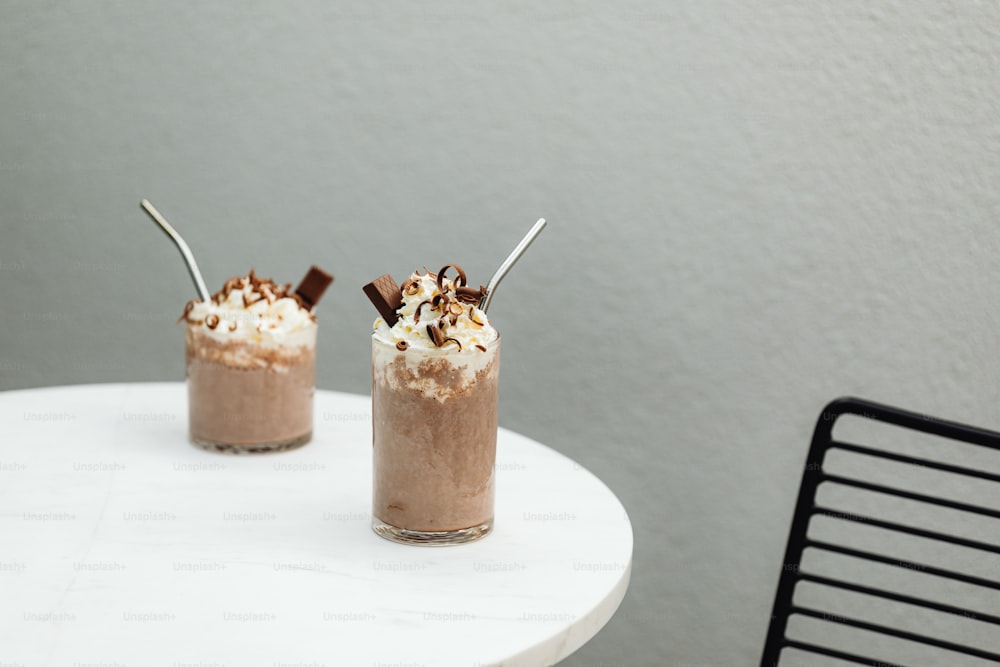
(384, 293)
(313, 285)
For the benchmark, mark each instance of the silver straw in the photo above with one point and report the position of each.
(192, 265)
(515, 255)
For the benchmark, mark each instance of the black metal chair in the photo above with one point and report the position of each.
(817, 476)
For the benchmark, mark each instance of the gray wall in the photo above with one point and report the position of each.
(752, 210)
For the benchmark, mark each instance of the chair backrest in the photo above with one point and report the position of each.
(889, 584)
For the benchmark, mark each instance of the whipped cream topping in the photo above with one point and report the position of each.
(438, 313)
(254, 310)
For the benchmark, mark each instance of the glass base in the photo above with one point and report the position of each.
(429, 538)
(252, 447)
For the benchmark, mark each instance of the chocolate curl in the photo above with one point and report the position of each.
(459, 279)
(416, 313)
(434, 331)
(470, 294)
(385, 295)
(313, 285)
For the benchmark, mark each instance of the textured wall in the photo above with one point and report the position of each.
(752, 211)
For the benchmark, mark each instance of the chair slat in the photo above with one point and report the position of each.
(920, 568)
(895, 632)
(913, 460)
(912, 495)
(834, 653)
(903, 528)
(899, 597)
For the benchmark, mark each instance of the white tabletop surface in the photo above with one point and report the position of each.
(123, 545)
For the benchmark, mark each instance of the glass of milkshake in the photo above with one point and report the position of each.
(435, 372)
(251, 366)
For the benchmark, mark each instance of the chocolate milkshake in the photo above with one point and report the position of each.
(251, 365)
(435, 372)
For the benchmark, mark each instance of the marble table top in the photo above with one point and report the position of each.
(123, 545)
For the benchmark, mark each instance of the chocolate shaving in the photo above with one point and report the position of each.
(481, 347)
(187, 310)
(469, 294)
(231, 284)
(459, 279)
(312, 286)
(402, 345)
(455, 341)
(416, 313)
(434, 331)
(233, 326)
(386, 297)
(410, 287)
(212, 321)
(268, 294)
(472, 318)
(440, 299)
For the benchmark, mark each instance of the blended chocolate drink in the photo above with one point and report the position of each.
(435, 372)
(251, 367)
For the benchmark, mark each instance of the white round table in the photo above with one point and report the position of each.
(122, 544)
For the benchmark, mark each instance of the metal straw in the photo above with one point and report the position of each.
(192, 265)
(509, 262)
